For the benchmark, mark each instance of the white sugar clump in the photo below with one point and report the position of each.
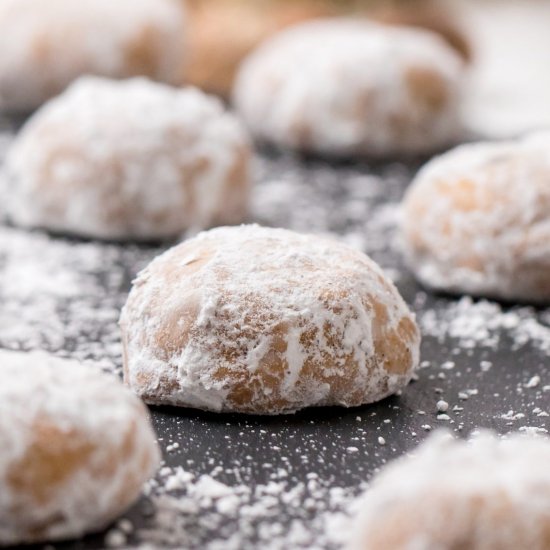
(265, 320)
(128, 160)
(47, 45)
(481, 494)
(190, 514)
(477, 220)
(484, 324)
(350, 87)
(76, 448)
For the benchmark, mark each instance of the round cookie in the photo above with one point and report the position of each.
(76, 448)
(266, 321)
(347, 87)
(47, 45)
(477, 221)
(128, 160)
(482, 495)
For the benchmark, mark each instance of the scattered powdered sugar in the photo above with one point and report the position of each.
(483, 323)
(368, 203)
(192, 511)
(63, 296)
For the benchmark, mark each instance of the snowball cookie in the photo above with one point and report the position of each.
(482, 495)
(477, 220)
(266, 321)
(349, 87)
(76, 448)
(128, 160)
(46, 45)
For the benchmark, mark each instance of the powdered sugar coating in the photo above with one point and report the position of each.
(482, 495)
(76, 448)
(477, 220)
(269, 321)
(350, 87)
(128, 160)
(47, 45)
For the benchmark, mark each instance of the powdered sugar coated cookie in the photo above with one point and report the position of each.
(128, 160)
(477, 220)
(76, 448)
(481, 495)
(266, 321)
(350, 87)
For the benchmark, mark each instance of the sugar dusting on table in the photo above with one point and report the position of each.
(57, 296)
(483, 323)
(188, 506)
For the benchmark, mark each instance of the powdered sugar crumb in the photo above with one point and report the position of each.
(229, 514)
(56, 295)
(483, 324)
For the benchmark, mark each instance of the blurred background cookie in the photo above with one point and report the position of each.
(128, 159)
(46, 45)
(477, 220)
(348, 87)
(477, 495)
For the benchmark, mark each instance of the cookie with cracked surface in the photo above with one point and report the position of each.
(266, 321)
